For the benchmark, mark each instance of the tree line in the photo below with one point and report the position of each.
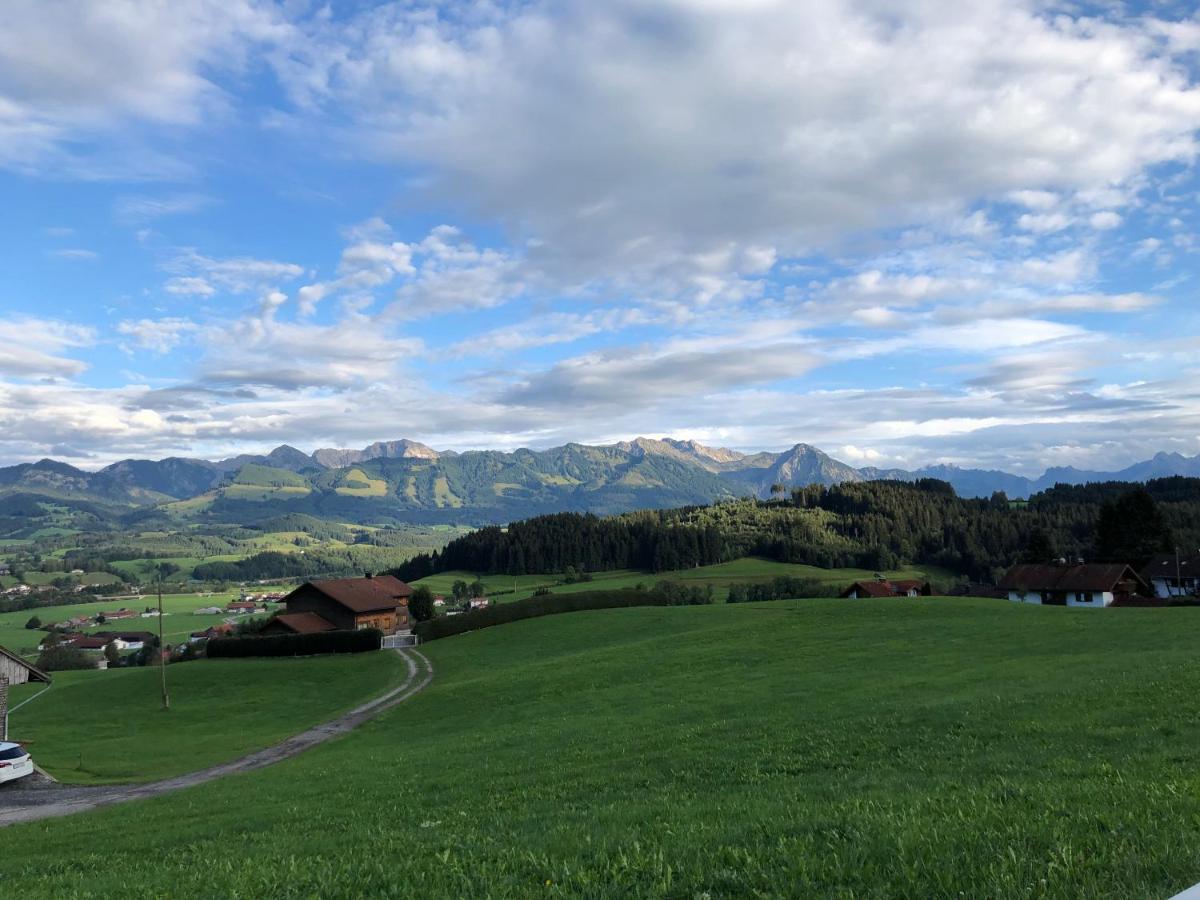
(874, 525)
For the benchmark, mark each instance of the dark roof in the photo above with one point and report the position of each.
(303, 623)
(1164, 566)
(131, 637)
(1081, 577)
(87, 642)
(362, 595)
(213, 630)
(34, 672)
(886, 588)
(870, 588)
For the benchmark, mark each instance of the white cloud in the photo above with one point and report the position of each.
(199, 275)
(157, 335)
(73, 70)
(189, 286)
(34, 347)
(1105, 220)
(802, 123)
(77, 254)
(1045, 223)
(140, 209)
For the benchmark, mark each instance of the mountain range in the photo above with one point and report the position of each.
(406, 480)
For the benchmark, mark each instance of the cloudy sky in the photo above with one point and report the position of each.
(964, 232)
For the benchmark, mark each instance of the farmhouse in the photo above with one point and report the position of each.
(215, 631)
(119, 614)
(884, 588)
(126, 640)
(376, 601)
(1079, 584)
(1173, 576)
(241, 607)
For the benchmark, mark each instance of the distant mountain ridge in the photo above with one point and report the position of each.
(407, 478)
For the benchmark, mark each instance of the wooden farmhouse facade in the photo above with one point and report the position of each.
(348, 604)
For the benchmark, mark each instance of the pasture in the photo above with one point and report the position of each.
(101, 727)
(875, 748)
(749, 570)
(178, 622)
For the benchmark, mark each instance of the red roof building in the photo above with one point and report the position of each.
(883, 588)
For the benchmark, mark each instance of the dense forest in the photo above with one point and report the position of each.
(875, 525)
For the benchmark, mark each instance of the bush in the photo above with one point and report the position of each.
(296, 644)
(548, 605)
(672, 593)
(420, 604)
(63, 659)
(33, 623)
(783, 587)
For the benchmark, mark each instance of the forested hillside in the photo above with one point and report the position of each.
(875, 525)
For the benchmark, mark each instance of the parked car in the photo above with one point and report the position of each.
(14, 762)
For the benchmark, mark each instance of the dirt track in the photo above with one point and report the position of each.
(44, 800)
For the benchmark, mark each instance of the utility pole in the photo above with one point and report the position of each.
(1178, 576)
(162, 663)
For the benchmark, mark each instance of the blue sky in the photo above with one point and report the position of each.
(959, 233)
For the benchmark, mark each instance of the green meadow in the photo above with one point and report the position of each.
(179, 621)
(742, 571)
(100, 727)
(894, 748)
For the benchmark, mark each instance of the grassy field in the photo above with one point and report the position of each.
(98, 727)
(178, 623)
(917, 748)
(719, 576)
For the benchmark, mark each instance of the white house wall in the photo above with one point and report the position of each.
(1094, 599)
(1027, 597)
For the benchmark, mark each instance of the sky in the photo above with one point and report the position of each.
(905, 233)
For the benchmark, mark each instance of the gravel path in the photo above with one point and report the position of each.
(21, 802)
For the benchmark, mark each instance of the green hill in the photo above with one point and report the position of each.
(921, 748)
(99, 727)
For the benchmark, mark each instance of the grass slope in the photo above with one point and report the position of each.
(99, 727)
(179, 621)
(919, 748)
(742, 571)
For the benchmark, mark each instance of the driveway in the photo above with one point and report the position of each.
(31, 800)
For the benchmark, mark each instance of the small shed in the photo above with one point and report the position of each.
(14, 670)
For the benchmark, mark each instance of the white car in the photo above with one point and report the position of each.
(14, 762)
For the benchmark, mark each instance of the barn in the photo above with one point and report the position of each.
(14, 670)
(376, 601)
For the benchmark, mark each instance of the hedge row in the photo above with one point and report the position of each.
(544, 605)
(296, 644)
